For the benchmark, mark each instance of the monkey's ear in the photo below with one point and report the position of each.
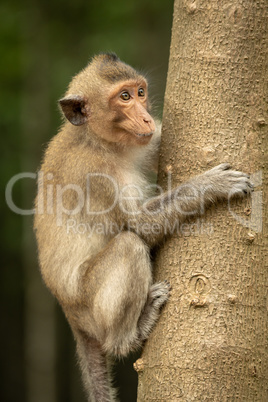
(75, 109)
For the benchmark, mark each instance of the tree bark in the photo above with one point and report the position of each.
(211, 342)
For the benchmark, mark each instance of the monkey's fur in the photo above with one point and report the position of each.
(95, 218)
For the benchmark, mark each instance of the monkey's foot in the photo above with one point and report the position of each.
(158, 296)
(159, 293)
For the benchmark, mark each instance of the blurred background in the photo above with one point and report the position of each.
(42, 45)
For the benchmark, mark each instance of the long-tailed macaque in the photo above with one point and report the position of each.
(96, 219)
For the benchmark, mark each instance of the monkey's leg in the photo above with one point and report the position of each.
(115, 289)
(125, 269)
(122, 307)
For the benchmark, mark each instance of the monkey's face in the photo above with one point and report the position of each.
(131, 123)
(118, 112)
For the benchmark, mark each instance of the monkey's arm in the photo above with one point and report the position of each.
(158, 215)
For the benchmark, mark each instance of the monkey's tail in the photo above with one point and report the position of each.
(95, 369)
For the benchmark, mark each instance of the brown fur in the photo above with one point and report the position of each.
(93, 244)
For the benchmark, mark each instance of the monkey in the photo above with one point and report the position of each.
(97, 218)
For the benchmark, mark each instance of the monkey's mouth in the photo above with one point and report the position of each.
(144, 135)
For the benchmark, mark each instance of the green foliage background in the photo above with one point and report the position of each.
(42, 45)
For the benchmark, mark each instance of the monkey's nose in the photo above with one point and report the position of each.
(150, 122)
(147, 120)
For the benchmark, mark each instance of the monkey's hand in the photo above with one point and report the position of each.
(191, 199)
(223, 182)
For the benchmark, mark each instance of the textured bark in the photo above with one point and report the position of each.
(211, 341)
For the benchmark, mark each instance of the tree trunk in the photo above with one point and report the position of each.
(210, 343)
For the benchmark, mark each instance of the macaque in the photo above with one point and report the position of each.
(97, 217)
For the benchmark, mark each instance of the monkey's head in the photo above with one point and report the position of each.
(110, 99)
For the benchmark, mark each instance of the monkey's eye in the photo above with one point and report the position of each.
(141, 92)
(125, 96)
